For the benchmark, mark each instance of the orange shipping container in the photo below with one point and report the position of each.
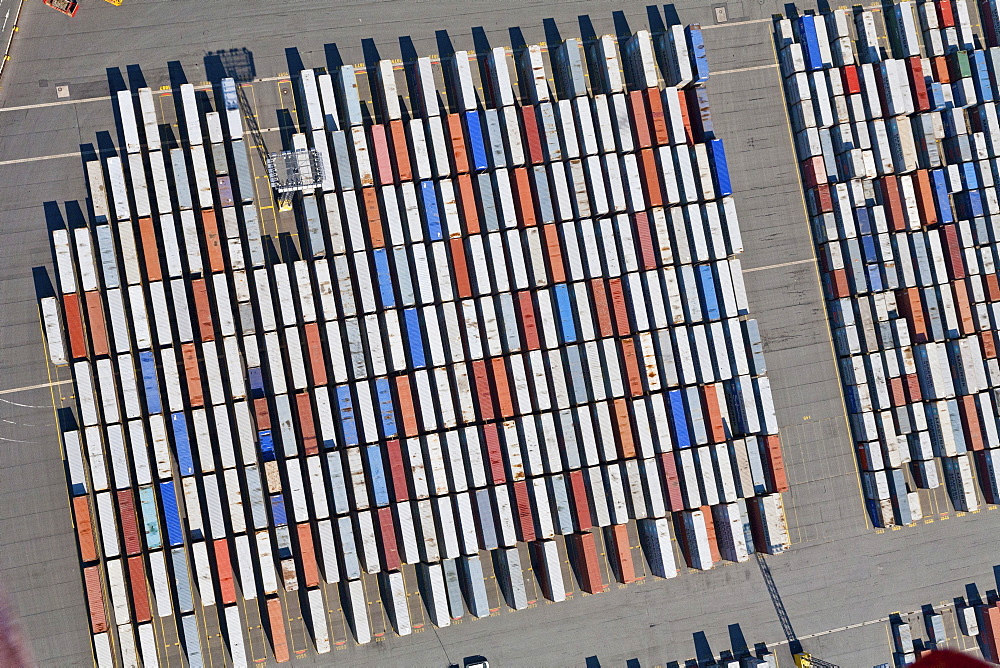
(964, 307)
(532, 135)
(483, 394)
(307, 424)
(939, 65)
(215, 260)
(685, 118)
(587, 566)
(925, 197)
(317, 361)
(989, 343)
(95, 599)
(620, 306)
(460, 267)
(971, 426)
(897, 392)
(632, 367)
(310, 569)
(601, 307)
(556, 269)
(581, 505)
(502, 383)
(640, 121)
(192, 371)
(525, 199)
(528, 321)
(626, 444)
(715, 425)
(459, 154)
(224, 568)
(405, 397)
(84, 528)
(98, 330)
(401, 150)
(619, 550)
(374, 218)
(467, 199)
(74, 326)
(139, 589)
(651, 178)
(387, 532)
(992, 288)
(713, 542)
(262, 414)
(839, 286)
(150, 253)
(779, 481)
(203, 308)
(276, 621)
(655, 101)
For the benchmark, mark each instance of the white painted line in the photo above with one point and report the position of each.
(782, 264)
(56, 104)
(736, 23)
(35, 387)
(75, 154)
(771, 66)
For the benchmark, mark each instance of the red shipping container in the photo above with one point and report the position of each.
(317, 361)
(910, 307)
(632, 367)
(307, 424)
(262, 414)
(383, 163)
(581, 503)
(460, 267)
(601, 308)
(459, 153)
(954, 257)
(139, 589)
(714, 423)
(204, 309)
(946, 18)
(620, 307)
(645, 236)
(492, 439)
(532, 134)
(74, 326)
(619, 550)
(626, 443)
(556, 269)
(483, 393)
(918, 85)
(397, 470)
(213, 241)
(839, 286)
(276, 621)
(587, 566)
(370, 197)
(84, 528)
(814, 172)
(150, 253)
(940, 66)
(98, 330)
(822, 201)
(849, 77)
(992, 287)
(776, 470)
(685, 117)
(502, 383)
(654, 100)
(897, 392)
(913, 393)
(525, 518)
(988, 342)
(675, 500)
(192, 372)
(713, 542)
(528, 321)
(399, 147)
(129, 525)
(640, 120)
(95, 599)
(925, 197)
(891, 203)
(224, 571)
(971, 426)
(989, 631)
(467, 200)
(651, 178)
(524, 197)
(964, 307)
(307, 552)
(387, 531)
(406, 409)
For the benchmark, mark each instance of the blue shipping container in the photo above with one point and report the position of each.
(708, 296)
(384, 278)
(720, 168)
(150, 520)
(874, 278)
(431, 215)
(415, 338)
(384, 391)
(182, 444)
(256, 377)
(699, 59)
(278, 510)
(981, 76)
(863, 221)
(810, 43)
(266, 445)
(678, 413)
(479, 160)
(969, 176)
(869, 249)
(172, 517)
(941, 202)
(149, 382)
(565, 307)
(936, 92)
(347, 422)
(377, 472)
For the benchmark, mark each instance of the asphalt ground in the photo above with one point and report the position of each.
(839, 582)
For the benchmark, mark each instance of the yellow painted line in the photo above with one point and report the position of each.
(37, 387)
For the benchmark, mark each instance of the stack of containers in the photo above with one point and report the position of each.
(899, 161)
(518, 322)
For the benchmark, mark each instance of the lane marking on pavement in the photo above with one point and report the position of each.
(36, 387)
(770, 66)
(810, 260)
(736, 23)
(60, 103)
(75, 154)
